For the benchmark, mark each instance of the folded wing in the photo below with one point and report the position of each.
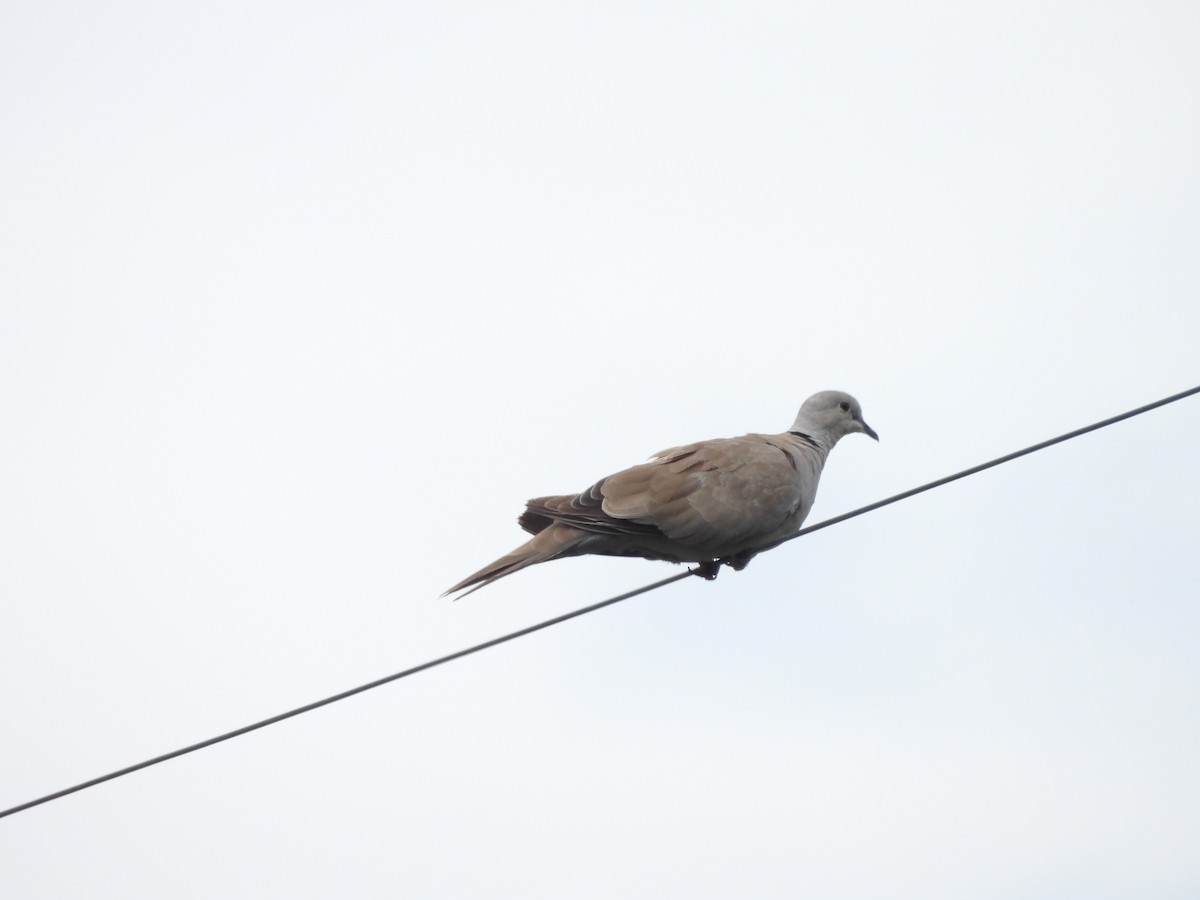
(720, 494)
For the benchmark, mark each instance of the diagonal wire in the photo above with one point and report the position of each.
(308, 707)
(999, 460)
(317, 704)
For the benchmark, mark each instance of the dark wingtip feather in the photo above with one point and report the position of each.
(533, 521)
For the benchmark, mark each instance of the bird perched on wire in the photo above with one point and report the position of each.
(715, 503)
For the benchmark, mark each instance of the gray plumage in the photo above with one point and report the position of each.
(715, 502)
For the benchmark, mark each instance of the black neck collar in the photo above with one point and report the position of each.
(807, 438)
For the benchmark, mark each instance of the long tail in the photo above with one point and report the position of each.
(555, 541)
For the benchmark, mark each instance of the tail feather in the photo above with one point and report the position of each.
(548, 544)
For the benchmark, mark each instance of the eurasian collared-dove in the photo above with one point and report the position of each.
(716, 503)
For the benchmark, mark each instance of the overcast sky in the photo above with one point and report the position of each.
(300, 302)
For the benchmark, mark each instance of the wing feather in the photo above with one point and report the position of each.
(720, 492)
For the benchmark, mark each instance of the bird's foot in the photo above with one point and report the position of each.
(738, 562)
(708, 570)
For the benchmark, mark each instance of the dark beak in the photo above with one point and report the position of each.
(868, 430)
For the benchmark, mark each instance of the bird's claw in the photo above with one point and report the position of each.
(711, 568)
(739, 562)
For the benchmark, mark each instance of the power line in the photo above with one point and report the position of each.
(317, 704)
(1008, 457)
(586, 609)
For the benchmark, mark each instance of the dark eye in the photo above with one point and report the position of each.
(844, 406)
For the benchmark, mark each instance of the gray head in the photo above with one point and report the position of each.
(831, 415)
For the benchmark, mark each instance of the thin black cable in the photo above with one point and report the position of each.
(343, 695)
(1008, 457)
(586, 609)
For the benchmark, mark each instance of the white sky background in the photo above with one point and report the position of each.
(299, 303)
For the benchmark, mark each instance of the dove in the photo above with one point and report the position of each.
(717, 502)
